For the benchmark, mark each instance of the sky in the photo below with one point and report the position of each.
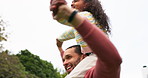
(31, 27)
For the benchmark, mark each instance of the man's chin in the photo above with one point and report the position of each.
(68, 72)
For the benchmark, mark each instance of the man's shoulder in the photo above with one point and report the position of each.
(89, 73)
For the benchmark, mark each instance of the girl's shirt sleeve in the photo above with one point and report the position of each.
(71, 34)
(67, 35)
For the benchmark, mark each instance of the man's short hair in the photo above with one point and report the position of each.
(77, 49)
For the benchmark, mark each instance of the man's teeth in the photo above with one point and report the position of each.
(68, 68)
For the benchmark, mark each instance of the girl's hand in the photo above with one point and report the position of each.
(59, 44)
(54, 5)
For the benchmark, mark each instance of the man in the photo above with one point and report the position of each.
(74, 62)
(108, 59)
(71, 57)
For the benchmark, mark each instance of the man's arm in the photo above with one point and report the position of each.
(109, 60)
(99, 43)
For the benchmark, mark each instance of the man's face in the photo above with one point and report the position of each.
(71, 59)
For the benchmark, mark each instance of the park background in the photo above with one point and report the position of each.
(31, 27)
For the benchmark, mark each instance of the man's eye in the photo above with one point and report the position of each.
(75, 0)
(68, 57)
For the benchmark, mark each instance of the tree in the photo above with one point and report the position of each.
(11, 67)
(3, 35)
(35, 65)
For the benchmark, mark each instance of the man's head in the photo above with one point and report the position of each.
(72, 56)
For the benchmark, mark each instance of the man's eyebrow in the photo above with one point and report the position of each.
(67, 55)
(75, 0)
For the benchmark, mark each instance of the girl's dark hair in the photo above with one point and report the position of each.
(95, 7)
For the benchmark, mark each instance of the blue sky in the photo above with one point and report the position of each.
(32, 27)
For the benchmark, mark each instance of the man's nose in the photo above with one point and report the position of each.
(72, 4)
(65, 62)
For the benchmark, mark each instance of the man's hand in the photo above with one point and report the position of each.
(54, 5)
(61, 10)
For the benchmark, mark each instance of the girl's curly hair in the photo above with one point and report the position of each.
(95, 7)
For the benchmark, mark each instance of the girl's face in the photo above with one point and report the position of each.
(78, 4)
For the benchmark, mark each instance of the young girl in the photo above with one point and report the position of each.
(91, 10)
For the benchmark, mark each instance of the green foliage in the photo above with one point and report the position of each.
(11, 67)
(3, 35)
(64, 75)
(24, 64)
(35, 65)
